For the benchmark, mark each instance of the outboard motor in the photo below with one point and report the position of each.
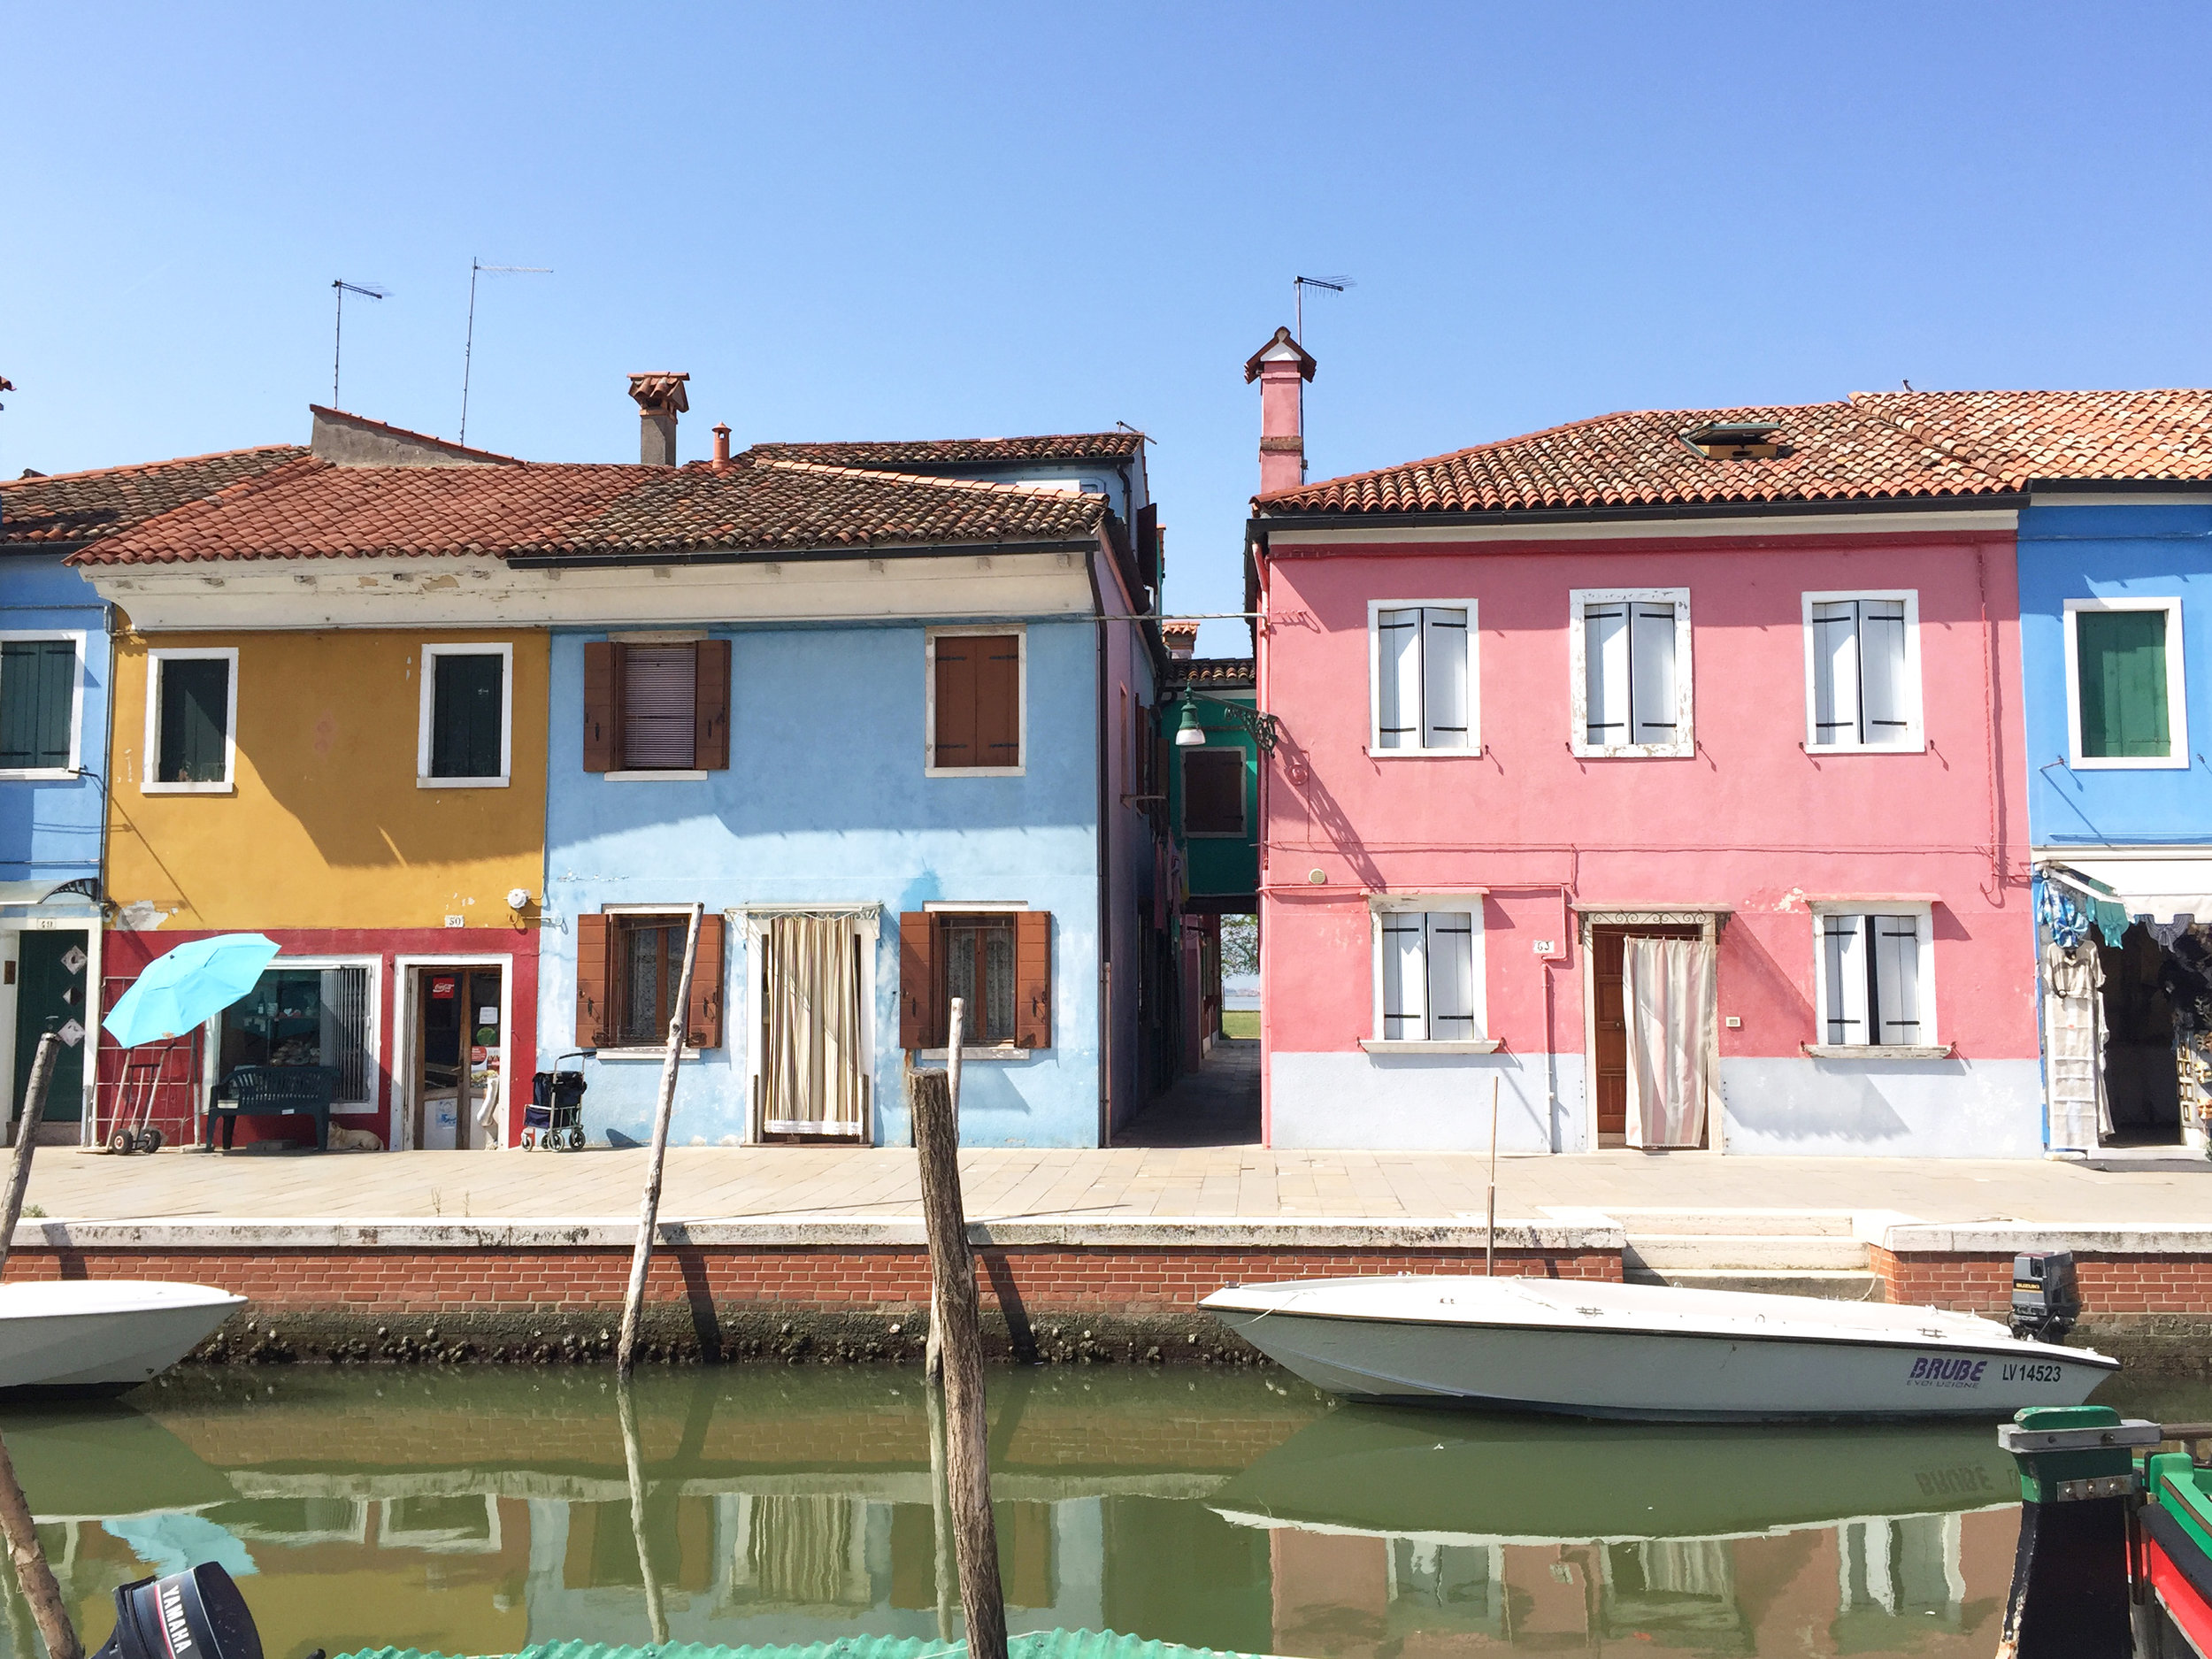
(193, 1615)
(2046, 1301)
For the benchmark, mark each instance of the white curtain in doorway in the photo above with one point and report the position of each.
(1668, 993)
(811, 1077)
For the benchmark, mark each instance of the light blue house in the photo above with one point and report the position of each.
(54, 725)
(886, 713)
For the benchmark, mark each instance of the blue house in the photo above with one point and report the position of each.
(888, 712)
(54, 725)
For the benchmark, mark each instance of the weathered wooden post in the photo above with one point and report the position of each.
(967, 1430)
(633, 1458)
(945, 1575)
(1490, 1234)
(649, 1211)
(32, 1576)
(2069, 1574)
(26, 1132)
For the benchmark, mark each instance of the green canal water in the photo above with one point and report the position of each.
(478, 1511)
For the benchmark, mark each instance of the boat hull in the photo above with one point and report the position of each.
(103, 1333)
(1662, 1377)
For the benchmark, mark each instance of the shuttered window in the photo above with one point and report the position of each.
(1872, 968)
(1428, 976)
(998, 963)
(1632, 681)
(1422, 661)
(38, 697)
(2121, 666)
(1213, 792)
(467, 714)
(191, 738)
(654, 707)
(1863, 689)
(628, 967)
(975, 701)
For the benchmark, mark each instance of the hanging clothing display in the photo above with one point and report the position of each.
(2073, 1017)
(1670, 996)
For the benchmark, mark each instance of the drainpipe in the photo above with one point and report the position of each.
(1105, 911)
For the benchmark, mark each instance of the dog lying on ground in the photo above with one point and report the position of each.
(344, 1140)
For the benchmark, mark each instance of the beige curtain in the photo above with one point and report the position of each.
(1669, 995)
(810, 1062)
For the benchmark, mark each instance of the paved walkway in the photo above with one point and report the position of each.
(1243, 1182)
(1218, 1105)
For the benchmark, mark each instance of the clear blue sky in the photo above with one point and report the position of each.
(937, 221)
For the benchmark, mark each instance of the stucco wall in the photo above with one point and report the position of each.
(2112, 552)
(1751, 822)
(326, 827)
(50, 828)
(825, 802)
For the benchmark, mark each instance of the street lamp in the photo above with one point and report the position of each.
(1190, 734)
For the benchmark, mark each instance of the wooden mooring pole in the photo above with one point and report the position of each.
(958, 1308)
(649, 1211)
(1490, 1231)
(26, 1132)
(640, 1536)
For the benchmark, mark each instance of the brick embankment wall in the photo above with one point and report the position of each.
(2154, 1310)
(1066, 1303)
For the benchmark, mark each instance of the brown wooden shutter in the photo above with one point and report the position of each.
(591, 980)
(602, 706)
(998, 699)
(1148, 540)
(710, 687)
(1033, 980)
(917, 978)
(954, 736)
(703, 1019)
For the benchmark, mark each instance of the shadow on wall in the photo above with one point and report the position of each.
(1327, 815)
(1846, 1104)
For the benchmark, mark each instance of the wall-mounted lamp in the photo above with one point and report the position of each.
(1189, 733)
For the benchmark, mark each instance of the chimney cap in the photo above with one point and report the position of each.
(1283, 347)
(660, 394)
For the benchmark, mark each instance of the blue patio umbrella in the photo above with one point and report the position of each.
(192, 983)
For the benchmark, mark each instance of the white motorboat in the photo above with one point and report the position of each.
(1585, 1347)
(102, 1332)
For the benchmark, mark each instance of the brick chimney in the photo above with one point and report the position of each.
(1182, 637)
(721, 462)
(1281, 367)
(660, 399)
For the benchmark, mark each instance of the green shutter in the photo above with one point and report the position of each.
(2121, 659)
(38, 697)
(195, 719)
(464, 701)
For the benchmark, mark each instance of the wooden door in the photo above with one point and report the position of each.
(1608, 1049)
(50, 981)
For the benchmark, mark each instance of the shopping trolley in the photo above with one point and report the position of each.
(554, 1119)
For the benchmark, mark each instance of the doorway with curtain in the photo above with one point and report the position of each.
(1654, 1005)
(813, 1016)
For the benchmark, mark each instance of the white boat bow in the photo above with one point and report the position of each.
(103, 1333)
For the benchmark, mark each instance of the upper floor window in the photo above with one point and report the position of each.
(656, 706)
(1422, 667)
(38, 694)
(1630, 671)
(191, 720)
(1875, 983)
(1428, 970)
(2124, 692)
(976, 711)
(1862, 671)
(1213, 792)
(464, 737)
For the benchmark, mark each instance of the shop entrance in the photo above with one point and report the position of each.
(50, 982)
(2142, 1083)
(459, 1042)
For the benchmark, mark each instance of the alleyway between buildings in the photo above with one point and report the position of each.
(1218, 1105)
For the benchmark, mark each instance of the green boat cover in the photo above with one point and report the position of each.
(1044, 1644)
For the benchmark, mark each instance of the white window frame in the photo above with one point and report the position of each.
(751, 924)
(1472, 749)
(1469, 901)
(1685, 743)
(374, 1019)
(151, 760)
(930, 636)
(431, 654)
(1922, 911)
(1915, 738)
(2177, 688)
(76, 708)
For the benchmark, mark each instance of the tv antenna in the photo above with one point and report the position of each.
(1298, 287)
(367, 291)
(468, 349)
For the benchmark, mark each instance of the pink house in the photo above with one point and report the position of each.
(1664, 772)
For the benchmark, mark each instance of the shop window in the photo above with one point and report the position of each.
(191, 711)
(628, 967)
(305, 1016)
(466, 705)
(38, 704)
(999, 962)
(2124, 683)
(975, 703)
(657, 708)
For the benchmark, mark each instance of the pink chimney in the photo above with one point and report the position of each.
(1281, 367)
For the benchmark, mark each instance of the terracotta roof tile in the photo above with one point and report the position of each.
(1216, 673)
(70, 508)
(1874, 446)
(1066, 446)
(312, 510)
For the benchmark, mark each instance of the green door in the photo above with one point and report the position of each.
(49, 980)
